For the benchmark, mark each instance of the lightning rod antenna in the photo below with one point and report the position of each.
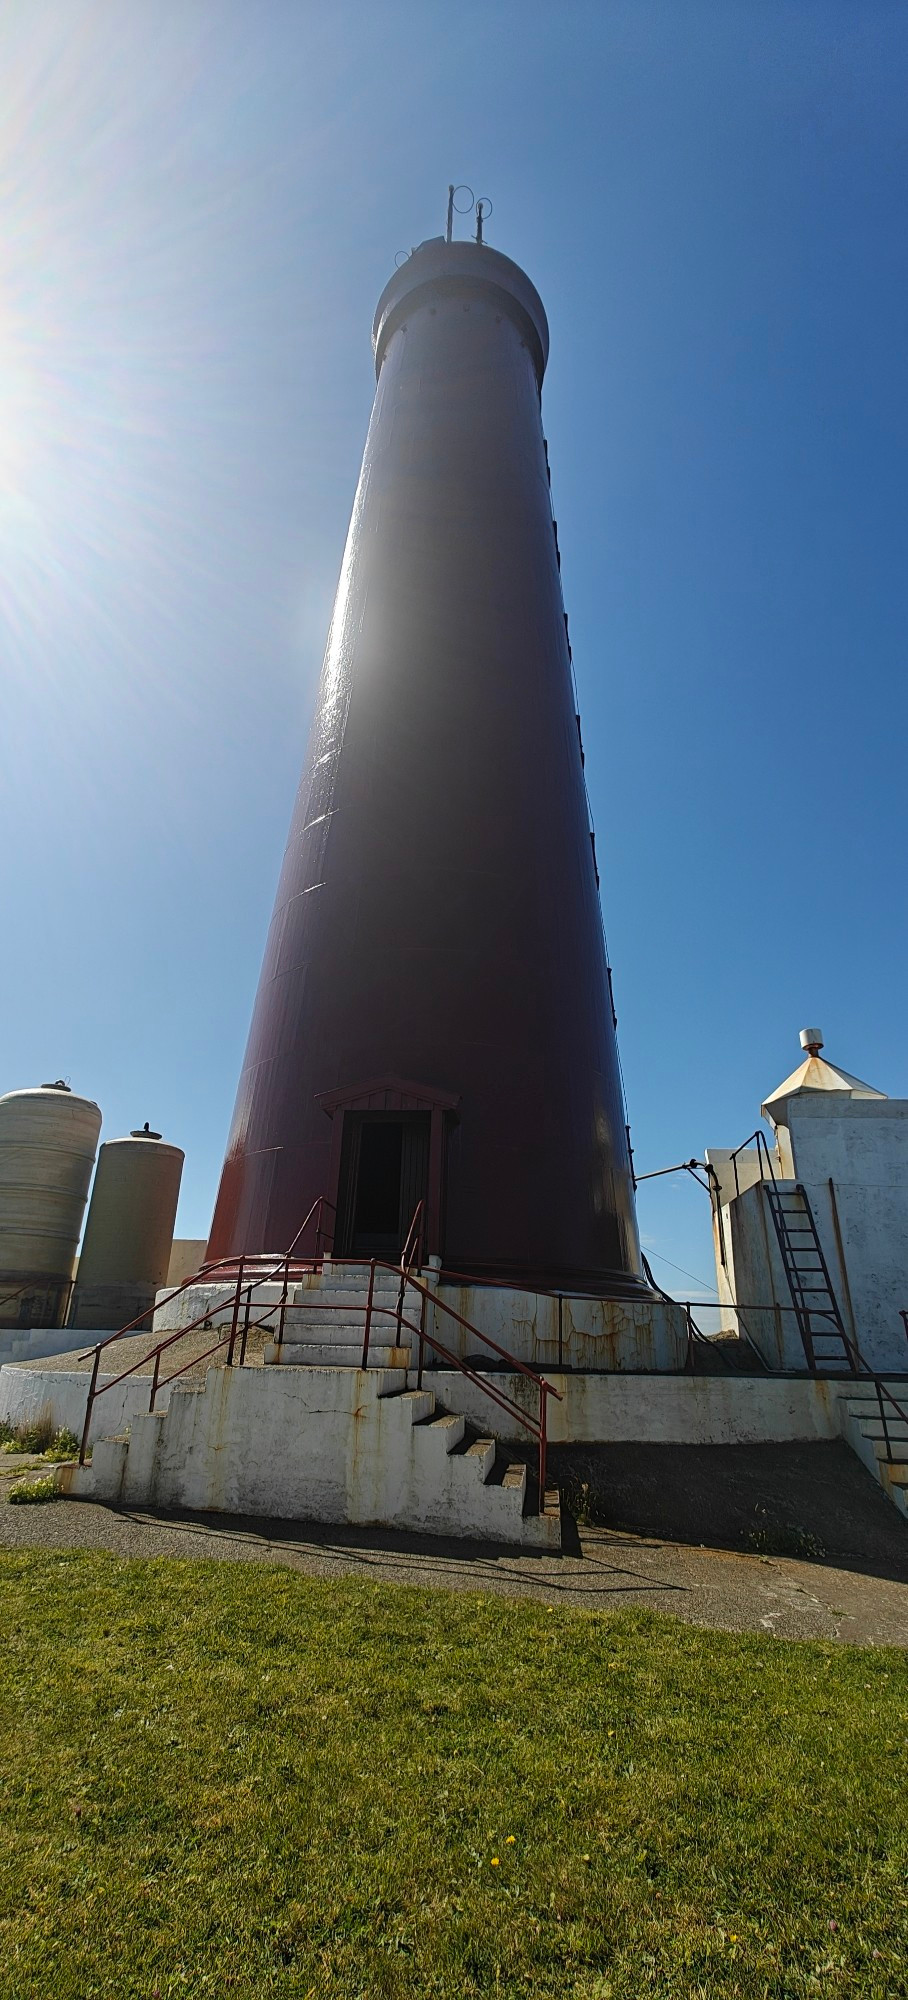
(483, 211)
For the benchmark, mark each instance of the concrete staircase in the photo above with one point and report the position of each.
(325, 1318)
(336, 1443)
(863, 1429)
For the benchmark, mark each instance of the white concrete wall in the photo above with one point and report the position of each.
(749, 1166)
(616, 1334)
(29, 1343)
(314, 1444)
(754, 1277)
(28, 1394)
(680, 1409)
(655, 1409)
(861, 1144)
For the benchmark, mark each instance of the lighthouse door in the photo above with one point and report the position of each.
(383, 1174)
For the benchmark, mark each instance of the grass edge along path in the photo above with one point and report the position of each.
(231, 1779)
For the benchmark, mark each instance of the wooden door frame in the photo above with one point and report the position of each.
(393, 1093)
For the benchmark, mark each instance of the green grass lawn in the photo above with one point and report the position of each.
(223, 1778)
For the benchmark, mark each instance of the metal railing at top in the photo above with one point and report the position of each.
(696, 1338)
(763, 1155)
(860, 1365)
(30, 1285)
(38, 1284)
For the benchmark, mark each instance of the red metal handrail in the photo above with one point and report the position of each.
(412, 1250)
(410, 1255)
(538, 1430)
(234, 1296)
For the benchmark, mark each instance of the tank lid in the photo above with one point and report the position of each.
(469, 269)
(145, 1133)
(813, 1074)
(59, 1085)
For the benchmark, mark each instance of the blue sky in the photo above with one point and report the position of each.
(200, 208)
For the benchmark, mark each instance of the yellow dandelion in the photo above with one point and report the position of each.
(494, 1861)
(510, 1840)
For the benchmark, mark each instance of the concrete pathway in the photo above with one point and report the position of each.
(136, 1350)
(610, 1570)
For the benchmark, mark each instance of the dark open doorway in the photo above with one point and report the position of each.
(383, 1174)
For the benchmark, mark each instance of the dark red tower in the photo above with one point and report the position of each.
(433, 1016)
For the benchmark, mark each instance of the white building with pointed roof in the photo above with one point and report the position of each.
(811, 1225)
(814, 1073)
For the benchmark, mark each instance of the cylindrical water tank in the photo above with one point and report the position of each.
(129, 1232)
(48, 1141)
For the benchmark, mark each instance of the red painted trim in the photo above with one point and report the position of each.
(355, 1097)
(334, 1164)
(433, 1182)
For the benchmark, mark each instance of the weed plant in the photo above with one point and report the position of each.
(33, 1492)
(40, 1439)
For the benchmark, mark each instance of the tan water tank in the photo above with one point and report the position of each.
(129, 1231)
(48, 1141)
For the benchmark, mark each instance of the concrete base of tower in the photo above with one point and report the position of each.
(325, 1312)
(641, 1334)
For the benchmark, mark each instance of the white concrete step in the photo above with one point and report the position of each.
(330, 1311)
(862, 1386)
(481, 1454)
(346, 1293)
(863, 1431)
(857, 1397)
(420, 1402)
(314, 1319)
(445, 1432)
(357, 1274)
(898, 1447)
(333, 1354)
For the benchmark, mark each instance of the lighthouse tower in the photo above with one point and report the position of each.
(434, 1020)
